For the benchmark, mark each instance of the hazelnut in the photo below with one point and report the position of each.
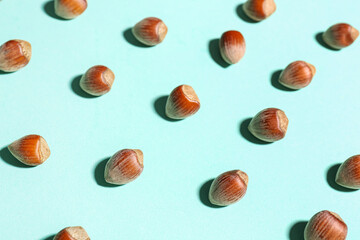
(31, 150)
(269, 125)
(232, 46)
(340, 35)
(72, 233)
(259, 10)
(228, 188)
(150, 31)
(124, 166)
(97, 81)
(14, 55)
(348, 174)
(182, 103)
(297, 75)
(69, 9)
(325, 225)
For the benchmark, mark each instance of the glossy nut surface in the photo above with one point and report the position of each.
(70, 9)
(182, 103)
(72, 233)
(297, 75)
(228, 188)
(150, 31)
(340, 35)
(31, 150)
(259, 10)
(325, 225)
(124, 166)
(348, 174)
(14, 55)
(232, 46)
(97, 81)
(269, 125)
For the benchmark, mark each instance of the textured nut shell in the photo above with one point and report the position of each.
(228, 188)
(97, 81)
(72, 233)
(150, 31)
(182, 102)
(340, 35)
(232, 46)
(124, 166)
(269, 125)
(14, 55)
(31, 150)
(259, 9)
(297, 75)
(69, 9)
(348, 174)
(325, 225)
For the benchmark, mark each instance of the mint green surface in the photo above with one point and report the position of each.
(287, 180)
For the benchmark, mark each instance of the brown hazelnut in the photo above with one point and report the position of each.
(228, 188)
(124, 166)
(14, 55)
(150, 31)
(232, 46)
(31, 150)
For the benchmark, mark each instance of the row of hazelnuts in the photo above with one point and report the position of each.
(268, 125)
(98, 80)
(226, 189)
(324, 225)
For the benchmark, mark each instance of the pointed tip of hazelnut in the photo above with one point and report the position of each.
(183, 102)
(150, 31)
(228, 188)
(124, 166)
(232, 46)
(70, 9)
(97, 81)
(269, 125)
(297, 75)
(340, 35)
(72, 233)
(325, 225)
(259, 10)
(348, 174)
(31, 150)
(14, 55)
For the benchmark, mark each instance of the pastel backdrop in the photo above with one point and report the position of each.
(289, 181)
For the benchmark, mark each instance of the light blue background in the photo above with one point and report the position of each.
(287, 179)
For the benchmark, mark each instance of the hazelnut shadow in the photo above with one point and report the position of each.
(99, 174)
(5, 73)
(130, 38)
(75, 86)
(244, 131)
(240, 12)
(296, 231)
(49, 9)
(330, 178)
(320, 40)
(51, 237)
(159, 106)
(204, 194)
(214, 50)
(274, 79)
(7, 157)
